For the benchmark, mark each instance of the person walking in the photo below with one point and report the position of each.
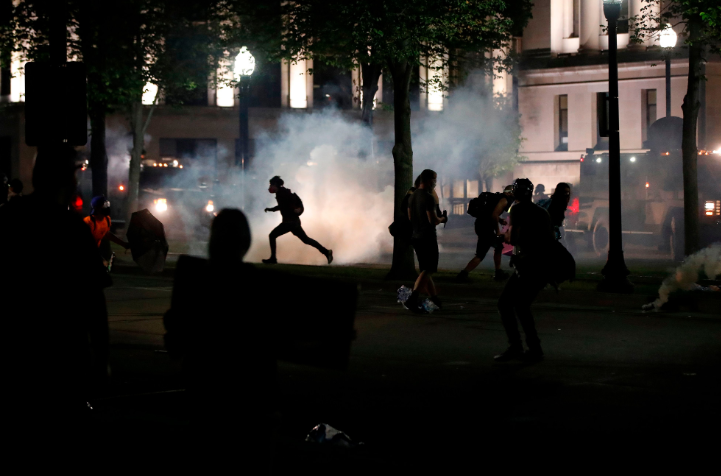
(531, 235)
(290, 207)
(487, 209)
(422, 212)
(556, 206)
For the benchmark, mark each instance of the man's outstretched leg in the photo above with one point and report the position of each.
(300, 233)
(500, 274)
(279, 230)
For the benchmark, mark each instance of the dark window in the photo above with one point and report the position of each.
(649, 111)
(5, 153)
(332, 87)
(602, 105)
(562, 140)
(623, 18)
(265, 85)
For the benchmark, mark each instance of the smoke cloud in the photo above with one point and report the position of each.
(708, 261)
(325, 159)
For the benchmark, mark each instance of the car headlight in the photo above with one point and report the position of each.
(161, 204)
(210, 208)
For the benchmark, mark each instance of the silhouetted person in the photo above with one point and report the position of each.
(219, 325)
(531, 235)
(422, 211)
(54, 315)
(290, 208)
(539, 193)
(488, 229)
(556, 206)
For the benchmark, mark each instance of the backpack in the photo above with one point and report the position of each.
(483, 204)
(297, 203)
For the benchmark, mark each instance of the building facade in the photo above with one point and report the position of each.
(560, 86)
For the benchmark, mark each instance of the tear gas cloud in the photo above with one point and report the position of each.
(708, 261)
(325, 159)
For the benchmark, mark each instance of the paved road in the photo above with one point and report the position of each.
(421, 385)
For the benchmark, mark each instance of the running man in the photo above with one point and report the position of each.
(290, 207)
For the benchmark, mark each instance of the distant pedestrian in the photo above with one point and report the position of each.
(539, 193)
(556, 206)
(99, 223)
(54, 313)
(291, 208)
(487, 209)
(422, 212)
(531, 235)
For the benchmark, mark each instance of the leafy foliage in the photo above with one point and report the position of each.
(656, 14)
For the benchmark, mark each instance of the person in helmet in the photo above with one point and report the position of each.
(531, 235)
(99, 222)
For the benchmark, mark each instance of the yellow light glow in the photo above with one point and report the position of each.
(633, 159)
(598, 160)
(161, 204)
(298, 93)
(180, 166)
(210, 207)
(17, 79)
(121, 188)
(709, 205)
(435, 93)
(647, 185)
(149, 93)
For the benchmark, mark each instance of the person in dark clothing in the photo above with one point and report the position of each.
(55, 317)
(422, 212)
(531, 235)
(556, 206)
(218, 326)
(540, 193)
(488, 229)
(290, 208)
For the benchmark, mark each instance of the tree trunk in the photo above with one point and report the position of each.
(403, 266)
(136, 128)
(370, 73)
(690, 108)
(98, 153)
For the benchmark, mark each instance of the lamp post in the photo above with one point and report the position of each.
(244, 67)
(615, 273)
(667, 38)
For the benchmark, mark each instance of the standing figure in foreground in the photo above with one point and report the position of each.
(424, 218)
(531, 235)
(290, 207)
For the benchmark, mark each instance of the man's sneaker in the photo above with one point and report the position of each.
(462, 277)
(329, 256)
(509, 354)
(532, 355)
(437, 301)
(413, 304)
(500, 275)
(270, 261)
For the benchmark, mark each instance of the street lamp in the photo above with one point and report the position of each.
(667, 38)
(615, 273)
(244, 67)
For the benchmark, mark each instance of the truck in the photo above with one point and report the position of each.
(651, 196)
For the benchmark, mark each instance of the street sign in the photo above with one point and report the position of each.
(55, 104)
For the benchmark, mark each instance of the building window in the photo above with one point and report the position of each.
(648, 101)
(623, 18)
(562, 122)
(602, 116)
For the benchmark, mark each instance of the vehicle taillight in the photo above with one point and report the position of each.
(712, 208)
(575, 206)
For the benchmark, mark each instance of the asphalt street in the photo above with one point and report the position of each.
(419, 387)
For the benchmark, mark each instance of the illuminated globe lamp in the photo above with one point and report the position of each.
(667, 38)
(244, 67)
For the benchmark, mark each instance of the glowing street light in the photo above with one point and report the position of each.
(244, 64)
(668, 38)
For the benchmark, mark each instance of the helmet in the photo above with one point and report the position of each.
(99, 205)
(522, 189)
